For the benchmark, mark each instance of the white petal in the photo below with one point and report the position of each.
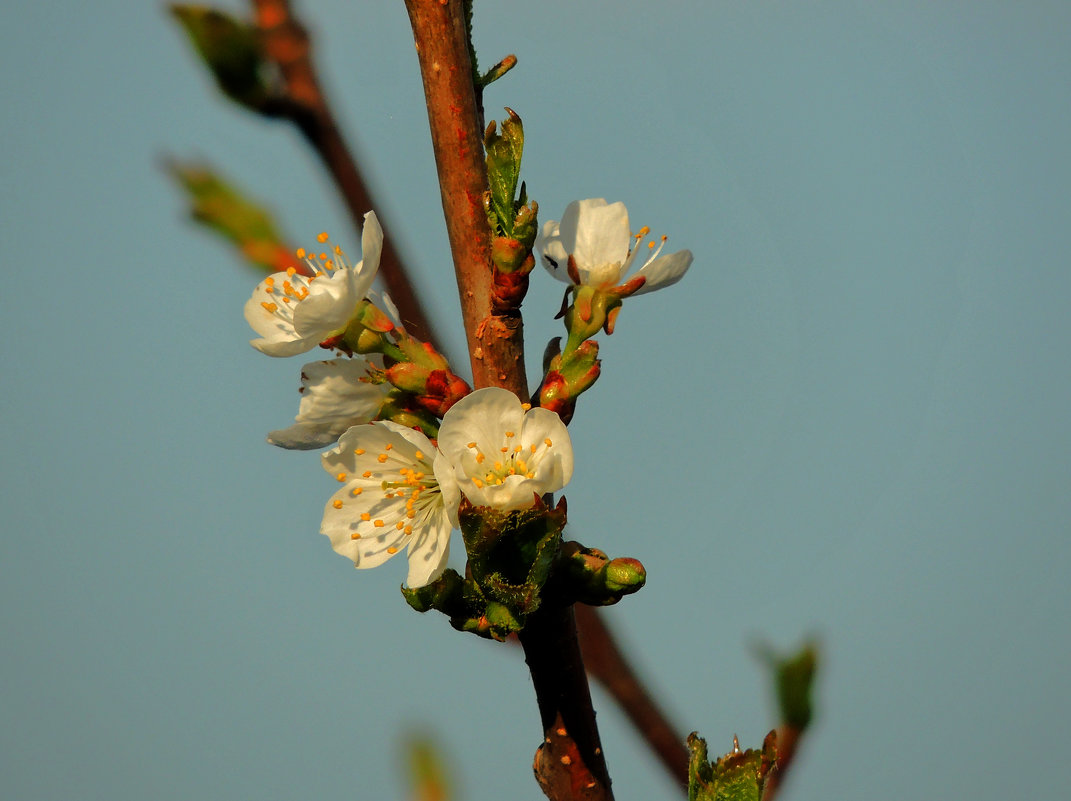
(333, 399)
(596, 233)
(479, 417)
(664, 271)
(554, 462)
(429, 550)
(451, 492)
(276, 329)
(328, 307)
(554, 257)
(371, 245)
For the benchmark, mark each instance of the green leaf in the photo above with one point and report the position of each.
(504, 152)
(230, 49)
(737, 776)
(224, 209)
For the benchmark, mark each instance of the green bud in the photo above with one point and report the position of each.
(592, 578)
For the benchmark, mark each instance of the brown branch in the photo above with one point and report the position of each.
(286, 43)
(494, 340)
(569, 764)
(608, 665)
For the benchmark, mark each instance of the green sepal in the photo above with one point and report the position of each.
(224, 209)
(456, 597)
(592, 578)
(737, 776)
(511, 555)
(232, 51)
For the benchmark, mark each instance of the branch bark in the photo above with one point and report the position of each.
(286, 43)
(494, 340)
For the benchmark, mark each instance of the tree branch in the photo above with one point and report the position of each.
(286, 43)
(494, 340)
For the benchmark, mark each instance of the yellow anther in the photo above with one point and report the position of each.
(392, 550)
(286, 300)
(518, 448)
(532, 447)
(408, 529)
(419, 455)
(269, 281)
(547, 442)
(509, 434)
(300, 253)
(410, 514)
(322, 237)
(387, 447)
(355, 536)
(650, 245)
(378, 523)
(471, 445)
(271, 308)
(358, 451)
(338, 250)
(366, 474)
(479, 458)
(478, 483)
(291, 271)
(504, 449)
(399, 525)
(381, 458)
(340, 477)
(526, 406)
(337, 504)
(498, 466)
(529, 475)
(643, 232)
(356, 491)
(365, 516)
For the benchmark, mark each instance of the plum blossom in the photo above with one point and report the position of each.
(391, 499)
(502, 453)
(593, 246)
(333, 398)
(294, 313)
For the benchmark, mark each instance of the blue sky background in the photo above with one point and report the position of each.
(849, 420)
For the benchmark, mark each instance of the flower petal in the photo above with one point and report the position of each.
(371, 244)
(664, 271)
(553, 257)
(429, 550)
(333, 399)
(597, 235)
(329, 306)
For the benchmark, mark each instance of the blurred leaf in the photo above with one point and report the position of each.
(426, 768)
(231, 50)
(793, 680)
(247, 225)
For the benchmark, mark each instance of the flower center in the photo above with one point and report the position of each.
(295, 287)
(511, 458)
(410, 480)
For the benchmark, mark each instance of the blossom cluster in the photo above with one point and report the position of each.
(399, 489)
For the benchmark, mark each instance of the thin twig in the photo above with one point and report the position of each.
(286, 43)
